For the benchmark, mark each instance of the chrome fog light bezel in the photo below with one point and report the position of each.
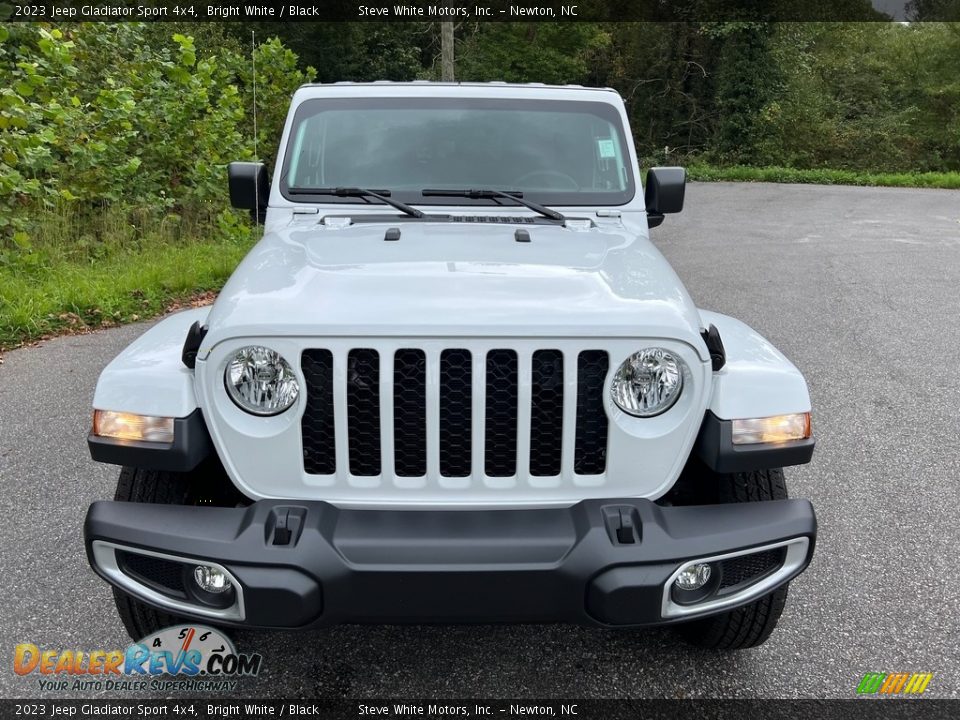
(794, 561)
(104, 560)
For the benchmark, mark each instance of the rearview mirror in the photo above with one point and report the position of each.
(664, 192)
(249, 188)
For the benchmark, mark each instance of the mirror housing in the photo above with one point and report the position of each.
(663, 192)
(249, 188)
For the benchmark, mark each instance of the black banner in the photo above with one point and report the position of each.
(863, 709)
(475, 10)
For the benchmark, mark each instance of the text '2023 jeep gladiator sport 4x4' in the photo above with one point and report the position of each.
(453, 382)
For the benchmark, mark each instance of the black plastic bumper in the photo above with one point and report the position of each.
(304, 563)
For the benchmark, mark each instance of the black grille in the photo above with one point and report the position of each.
(455, 374)
(747, 568)
(316, 428)
(546, 413)
(456, 428)
(590, 453)
(159, 573)
(410, 413)
(500, 438)
(363, 411)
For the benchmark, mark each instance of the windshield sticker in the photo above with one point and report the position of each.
(606, 148)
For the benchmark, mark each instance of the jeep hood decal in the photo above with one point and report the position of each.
(447, 279)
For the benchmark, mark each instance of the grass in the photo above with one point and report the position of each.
(64, 279)
(741, 173)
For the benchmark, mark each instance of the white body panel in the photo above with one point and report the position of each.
(148, 377)
(757, 380)
(264, 455)
(448, 279)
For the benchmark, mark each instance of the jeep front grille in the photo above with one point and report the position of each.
(439, 403)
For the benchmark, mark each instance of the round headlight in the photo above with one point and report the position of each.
(648, 382)
(260, 381)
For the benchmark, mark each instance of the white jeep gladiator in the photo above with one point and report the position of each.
(453, 382)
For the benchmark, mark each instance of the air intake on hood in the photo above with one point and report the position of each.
(497, 219)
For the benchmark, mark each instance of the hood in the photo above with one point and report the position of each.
(454, 279)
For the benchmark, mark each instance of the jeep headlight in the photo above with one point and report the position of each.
(648, 382)
(260, 381)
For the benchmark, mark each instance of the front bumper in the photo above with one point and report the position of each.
(599, 562)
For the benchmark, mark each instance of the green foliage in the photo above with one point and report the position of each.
(113, 144)
(861, 96)
(880, 96)
(744, 173)
(553, 53)
(360, 52)
(100, 115)
(747, 81)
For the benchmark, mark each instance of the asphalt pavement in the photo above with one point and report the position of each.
(860, 287)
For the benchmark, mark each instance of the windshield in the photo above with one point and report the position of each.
(554, 152)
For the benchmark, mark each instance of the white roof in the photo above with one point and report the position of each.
(425, 88)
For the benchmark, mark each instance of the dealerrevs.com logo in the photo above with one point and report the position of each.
(183, 657)
(894, 683)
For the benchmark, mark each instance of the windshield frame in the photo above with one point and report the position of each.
(604, 110)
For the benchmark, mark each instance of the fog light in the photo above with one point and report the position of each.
(693, 577)
(211, 579)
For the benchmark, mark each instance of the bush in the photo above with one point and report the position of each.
(98, 114)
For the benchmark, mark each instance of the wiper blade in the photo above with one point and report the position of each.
(381, 195)
(494, 194)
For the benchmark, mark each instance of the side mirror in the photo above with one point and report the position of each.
(664, 192)
(249, 188)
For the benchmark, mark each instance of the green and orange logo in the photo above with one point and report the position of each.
(894, 683)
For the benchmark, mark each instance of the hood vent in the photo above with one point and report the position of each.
(497, 219)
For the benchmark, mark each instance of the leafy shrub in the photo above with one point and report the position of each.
(98, 114)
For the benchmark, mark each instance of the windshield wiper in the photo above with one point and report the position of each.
(493, 195)
(381, 195)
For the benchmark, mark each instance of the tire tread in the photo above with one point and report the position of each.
(750, 625)
(156, 487)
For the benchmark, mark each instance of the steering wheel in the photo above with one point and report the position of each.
(563, 177)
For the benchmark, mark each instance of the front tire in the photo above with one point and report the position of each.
(205, 485)
(748, 626)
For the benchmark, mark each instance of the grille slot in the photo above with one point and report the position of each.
(363, 411)
(317, 426)
(410, 413)
(159, 573)
(546, 413)
(500, 437)
(590, 450)
(749, 568)
(456, 421)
